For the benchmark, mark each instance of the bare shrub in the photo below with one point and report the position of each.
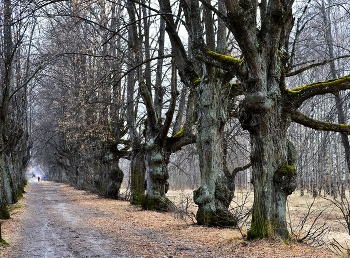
(343, 205)
(241, 208)
(339, 249)
(125, 195)
(312, 226)
(184, 207)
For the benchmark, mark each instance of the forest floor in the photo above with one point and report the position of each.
(56, 220)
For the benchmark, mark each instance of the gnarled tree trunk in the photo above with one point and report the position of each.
(156, 161)
(4, 103)
(4, 212)
(274, 174)
(137, 177)
(213, 197)
(137, 157)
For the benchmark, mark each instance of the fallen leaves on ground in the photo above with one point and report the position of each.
(158, 234)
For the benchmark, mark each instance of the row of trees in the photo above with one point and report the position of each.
(15, 74)
(153, 82)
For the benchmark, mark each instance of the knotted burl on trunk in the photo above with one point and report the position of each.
(253, 103)
(285, 178)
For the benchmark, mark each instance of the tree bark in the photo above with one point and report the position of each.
(4, 104)
(213, 197)
(137, 159)
(157, 160)
(272, 159)
(137, 177)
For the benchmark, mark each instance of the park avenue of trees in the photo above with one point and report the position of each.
(197, 94)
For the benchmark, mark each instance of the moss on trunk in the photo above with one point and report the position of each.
(156, 162)
(220, 218)
(138, 172)
(274, 174)
(213, 197)
(4, 211)
(158, 203)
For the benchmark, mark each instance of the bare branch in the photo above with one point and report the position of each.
(315, 65)
(242, 23)
(298, 95)
(147, 98)
(225, 62)
(302, 119)
(170, 113)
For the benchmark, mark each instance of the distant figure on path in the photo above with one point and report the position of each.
(38, 178)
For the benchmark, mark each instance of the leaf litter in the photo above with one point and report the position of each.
(131, 231)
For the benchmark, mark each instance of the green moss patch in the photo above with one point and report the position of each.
(225, 59)
(285, 179)
(220, 218)
(258, 231)
(287, 170)
(3, 242)
(136, 199)
(5, 213)
(157, 203)
(195, 80)
(180, 133)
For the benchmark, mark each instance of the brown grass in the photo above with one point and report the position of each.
(155, 234)
(316, 219)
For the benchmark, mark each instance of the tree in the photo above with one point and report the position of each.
(158, 88)
(262, 31)
(84, 134)
(5, 98)
(213, 197)
(137, 165)
(16, 33)
(269, 107)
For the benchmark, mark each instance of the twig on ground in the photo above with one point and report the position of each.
(339, 249)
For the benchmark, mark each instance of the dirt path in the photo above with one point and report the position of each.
(55, 220)
(53, 226)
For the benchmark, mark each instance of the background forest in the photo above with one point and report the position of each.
(157, 95)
